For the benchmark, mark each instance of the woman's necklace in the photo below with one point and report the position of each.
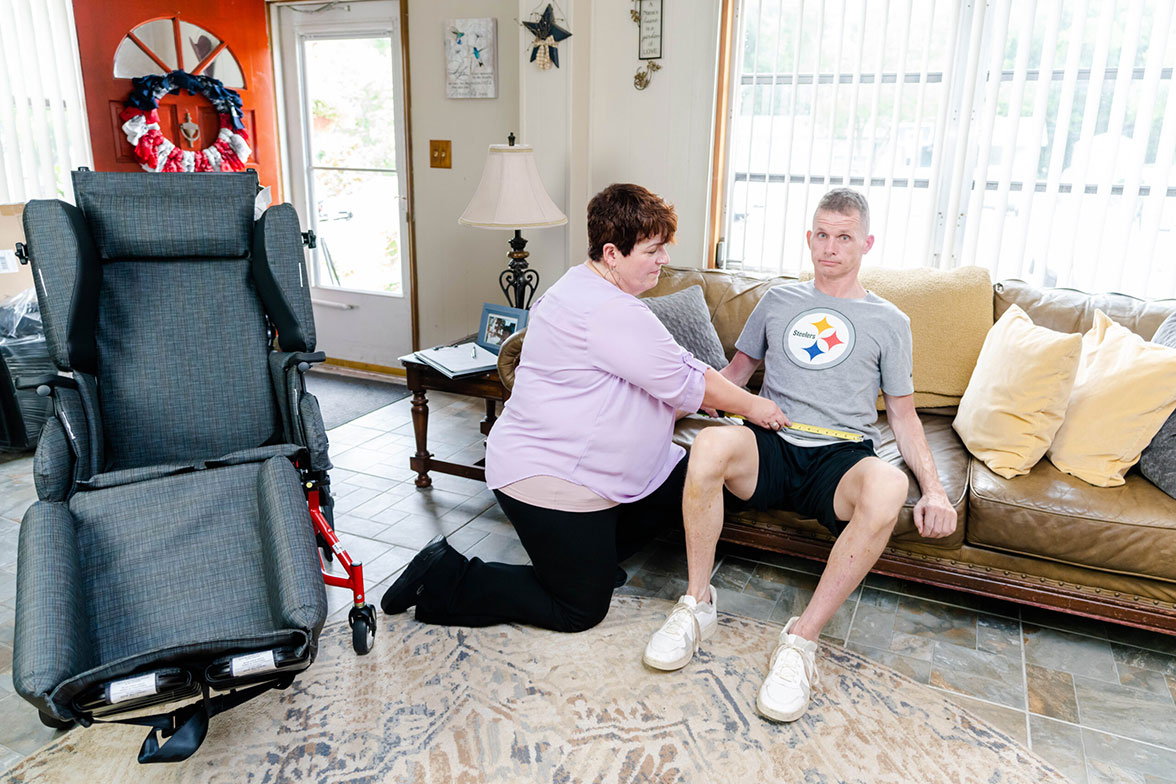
(592, 264)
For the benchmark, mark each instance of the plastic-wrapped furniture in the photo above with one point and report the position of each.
(183, 477)
(22, 355)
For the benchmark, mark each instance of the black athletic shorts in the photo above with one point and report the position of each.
(802, 479)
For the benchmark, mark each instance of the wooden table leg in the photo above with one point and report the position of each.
(490, 418)
(420, 428)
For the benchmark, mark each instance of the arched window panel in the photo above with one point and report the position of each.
(226, 68)
(131, 61)
(150, 48)
(158, 37)
(197, 44)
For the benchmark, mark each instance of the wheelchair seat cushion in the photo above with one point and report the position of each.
(185, 587)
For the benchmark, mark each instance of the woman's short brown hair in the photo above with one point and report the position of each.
(624, 214)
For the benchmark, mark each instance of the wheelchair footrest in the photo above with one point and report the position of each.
(232, 671)
(137, 691)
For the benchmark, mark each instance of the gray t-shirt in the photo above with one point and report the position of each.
(826, 357)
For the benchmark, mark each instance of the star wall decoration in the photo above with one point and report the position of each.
(547, 34)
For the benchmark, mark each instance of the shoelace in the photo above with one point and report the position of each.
(788, 668)
(681, 618)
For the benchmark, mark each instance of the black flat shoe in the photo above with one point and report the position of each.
(403, 593)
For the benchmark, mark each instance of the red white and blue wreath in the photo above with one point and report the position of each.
(156, 153)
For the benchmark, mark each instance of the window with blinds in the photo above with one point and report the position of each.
(1031, 137)
(43, 132)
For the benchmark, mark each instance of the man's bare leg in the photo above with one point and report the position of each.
(870, 496)
(719, 456)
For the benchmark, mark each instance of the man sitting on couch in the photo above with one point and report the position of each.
(829, 346)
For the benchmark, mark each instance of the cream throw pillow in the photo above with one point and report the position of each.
(1018, 393)
(1125, 390)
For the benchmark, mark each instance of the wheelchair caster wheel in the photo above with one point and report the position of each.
(53, 722)
(362, 621)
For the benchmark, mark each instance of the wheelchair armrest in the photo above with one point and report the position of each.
(302, 423)
(80, 427)
(297, 596)
(52, 641)
(46, 384)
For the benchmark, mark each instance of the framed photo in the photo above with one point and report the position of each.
(649, 44)
(498, 323)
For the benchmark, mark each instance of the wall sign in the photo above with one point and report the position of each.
(471, 58)
(649, 45)
(648, 16)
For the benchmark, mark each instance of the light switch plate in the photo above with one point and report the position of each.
(440, 152)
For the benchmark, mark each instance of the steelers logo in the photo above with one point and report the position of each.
(819, 339)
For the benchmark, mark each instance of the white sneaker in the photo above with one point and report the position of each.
(792, 674)
(673, 645)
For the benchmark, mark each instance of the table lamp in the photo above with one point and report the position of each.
(511, 196)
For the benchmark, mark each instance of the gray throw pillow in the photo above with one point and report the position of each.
(685, 314)
(1158, 462)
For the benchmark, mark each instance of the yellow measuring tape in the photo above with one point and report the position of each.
(826, 431)
(820, 431)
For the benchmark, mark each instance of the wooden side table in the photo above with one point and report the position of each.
(423, 377)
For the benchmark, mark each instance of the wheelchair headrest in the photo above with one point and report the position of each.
(141, 216)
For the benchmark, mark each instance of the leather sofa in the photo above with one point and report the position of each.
(1047, 538)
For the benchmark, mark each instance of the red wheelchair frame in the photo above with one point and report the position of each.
(362, 617)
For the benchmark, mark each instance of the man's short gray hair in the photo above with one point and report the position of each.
(846, 201)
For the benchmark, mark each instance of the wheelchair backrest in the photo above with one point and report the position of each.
(158, 287)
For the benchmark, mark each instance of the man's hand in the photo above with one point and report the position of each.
(935, 517)
(766, 414)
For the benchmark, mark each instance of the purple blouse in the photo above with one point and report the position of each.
(595, 394)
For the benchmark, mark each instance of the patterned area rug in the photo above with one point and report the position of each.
(515, 704)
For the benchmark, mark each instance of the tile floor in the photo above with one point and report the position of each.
(1096, 700)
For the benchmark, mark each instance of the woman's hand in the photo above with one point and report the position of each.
(766, 414)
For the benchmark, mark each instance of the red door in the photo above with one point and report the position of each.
(225, 39)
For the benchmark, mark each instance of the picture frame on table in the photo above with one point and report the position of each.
(498, 323)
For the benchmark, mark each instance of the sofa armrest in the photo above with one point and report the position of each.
(293, 574)
(509, 354)
(51, 641)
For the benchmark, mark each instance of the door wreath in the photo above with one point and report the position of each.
(156, 153)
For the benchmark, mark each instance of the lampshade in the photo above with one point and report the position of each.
(511, 195)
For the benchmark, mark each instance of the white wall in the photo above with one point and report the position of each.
(659, 137)
(588, 124)
(457, 266)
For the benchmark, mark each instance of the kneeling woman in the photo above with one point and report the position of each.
(582, 460)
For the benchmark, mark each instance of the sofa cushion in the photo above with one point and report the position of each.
(1158, 461)
(1018, 394)
(951, 459)
(1121, 397)
(1129, 529)
(685, 314)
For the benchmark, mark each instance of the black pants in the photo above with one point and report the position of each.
(574, 557)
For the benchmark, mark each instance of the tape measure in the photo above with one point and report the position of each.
(825, 431)
(820, 431)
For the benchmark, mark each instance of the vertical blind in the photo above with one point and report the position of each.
(1031, 137)
(43, 132)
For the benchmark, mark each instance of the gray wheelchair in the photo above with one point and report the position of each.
(177, 549)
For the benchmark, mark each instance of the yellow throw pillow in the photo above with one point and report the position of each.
(1018, 393)
(1125, 390)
